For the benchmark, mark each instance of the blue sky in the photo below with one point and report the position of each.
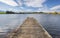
(30, 5)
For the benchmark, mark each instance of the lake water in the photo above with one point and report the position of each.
(49, 21)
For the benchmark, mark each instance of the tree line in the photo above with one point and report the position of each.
(11, 12)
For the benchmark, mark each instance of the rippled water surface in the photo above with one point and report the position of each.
(50, 22)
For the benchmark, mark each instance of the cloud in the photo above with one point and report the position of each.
(27, 6)
(29, 3)
(19, 2)
(55, 7)
(34, 3)
(9, 2)
(26, 10)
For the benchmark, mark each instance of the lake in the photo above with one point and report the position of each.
(49, 21)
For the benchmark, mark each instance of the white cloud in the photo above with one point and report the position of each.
(29, 3)
(27, 10)
(55, 7)
(19, 2)
(9, 2)
(34, 3)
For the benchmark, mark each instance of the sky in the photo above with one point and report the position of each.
(30, 5)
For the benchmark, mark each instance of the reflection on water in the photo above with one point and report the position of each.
(50, 22)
